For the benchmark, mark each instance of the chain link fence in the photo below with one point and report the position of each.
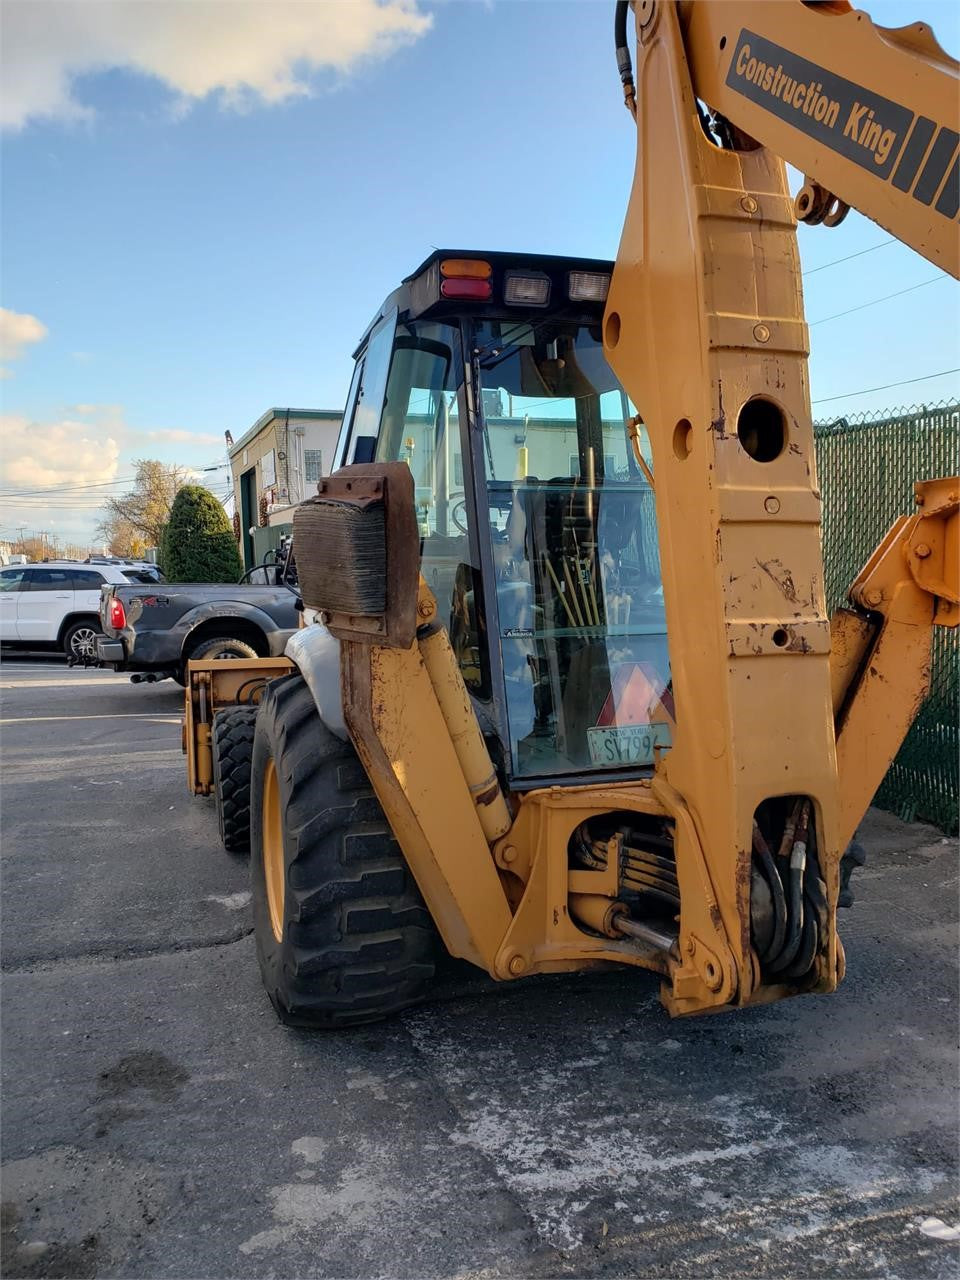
(867, 465)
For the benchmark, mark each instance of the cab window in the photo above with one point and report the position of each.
(420, 425)
(12, 579)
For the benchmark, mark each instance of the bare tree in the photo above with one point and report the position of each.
(140, 515)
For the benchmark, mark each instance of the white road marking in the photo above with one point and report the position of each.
(112, 715)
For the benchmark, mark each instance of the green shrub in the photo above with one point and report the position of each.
(198, 543)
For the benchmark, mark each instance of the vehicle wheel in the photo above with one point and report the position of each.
(232, 747)
(80, 640)
(342, 934)
(223, 647)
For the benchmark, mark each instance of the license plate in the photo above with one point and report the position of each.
(627, 744)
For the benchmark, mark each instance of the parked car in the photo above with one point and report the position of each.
(153, 631)
(55, 605)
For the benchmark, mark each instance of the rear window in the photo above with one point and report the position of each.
(138, 575)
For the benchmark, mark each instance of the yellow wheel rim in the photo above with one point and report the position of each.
(273, 869)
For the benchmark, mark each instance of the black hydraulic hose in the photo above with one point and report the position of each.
(624, 64)
(772, 876)
(809, 942)
(798, 863)
(620, 28)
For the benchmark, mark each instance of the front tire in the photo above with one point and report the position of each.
(342, 934)
(231, 743)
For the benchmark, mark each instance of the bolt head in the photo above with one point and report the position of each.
(508, 854)
(689, 946)
(771, 506)
(517, 964)
(874, 597)
(761, 333)
(922, 550)
(749, 205)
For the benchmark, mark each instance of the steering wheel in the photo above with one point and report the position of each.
(458, 512)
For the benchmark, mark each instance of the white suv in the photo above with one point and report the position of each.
(55, 604)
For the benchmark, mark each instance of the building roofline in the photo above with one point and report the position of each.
(271, 414)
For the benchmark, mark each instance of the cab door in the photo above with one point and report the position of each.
(46, 599)
(11, 586)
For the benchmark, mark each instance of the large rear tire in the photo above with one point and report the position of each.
(232, 748)
(342, 934)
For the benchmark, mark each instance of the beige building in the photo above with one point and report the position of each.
(280, 459)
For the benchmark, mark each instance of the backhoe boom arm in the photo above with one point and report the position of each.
(868, 113)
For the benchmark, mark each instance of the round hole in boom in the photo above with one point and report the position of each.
(780, 637)
(723, 42)
(762, 429)
(683, 439)
(612, 329)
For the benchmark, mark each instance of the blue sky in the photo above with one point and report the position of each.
(195, 242)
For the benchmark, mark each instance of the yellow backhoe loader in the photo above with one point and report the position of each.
(573, 698)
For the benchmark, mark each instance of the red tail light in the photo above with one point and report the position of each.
(118, 619)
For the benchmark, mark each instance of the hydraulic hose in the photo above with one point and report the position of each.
(798, 863)
(772, 877)
(624, 64)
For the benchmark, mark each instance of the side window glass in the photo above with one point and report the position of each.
(87, 580)
(51, 580)
(373, 381)
(346, 425)
(12, 580)
(420, 426)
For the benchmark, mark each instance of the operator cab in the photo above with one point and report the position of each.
(486, 375)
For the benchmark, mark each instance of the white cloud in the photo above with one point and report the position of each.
(17, 330)
(243, 50)
(47, 455)
(176, 435)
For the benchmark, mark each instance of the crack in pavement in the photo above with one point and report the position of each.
(108, 955)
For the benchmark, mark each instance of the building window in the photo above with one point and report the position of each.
(609, 465)
(312, 465)
(268, 469)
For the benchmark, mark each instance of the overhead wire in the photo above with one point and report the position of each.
(68, 488)
(864, 391)
(874, 301)
(812, 271)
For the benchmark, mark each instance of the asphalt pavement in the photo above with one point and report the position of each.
(158, 1121)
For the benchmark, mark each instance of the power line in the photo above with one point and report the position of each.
(873, 302)
(66, 488)
(886, 387)
(836, 262)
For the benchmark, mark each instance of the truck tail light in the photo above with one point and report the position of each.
(465, 278)
(118, 619)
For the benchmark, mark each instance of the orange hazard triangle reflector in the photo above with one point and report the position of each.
(637, 696)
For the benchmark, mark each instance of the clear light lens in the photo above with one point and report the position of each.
(588, 286)
(527, 290)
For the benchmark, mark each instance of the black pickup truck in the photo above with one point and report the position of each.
(152, 630)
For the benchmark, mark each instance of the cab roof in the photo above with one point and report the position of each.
(419, 292)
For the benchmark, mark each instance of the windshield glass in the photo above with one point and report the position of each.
(582, 629)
